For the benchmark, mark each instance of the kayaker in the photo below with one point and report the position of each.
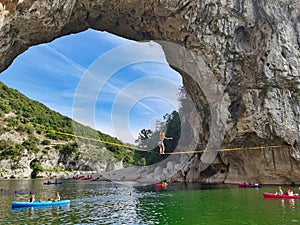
(57, 197)
(279, 192)
(165, 184)
(290, 192)
(32, 198)
(160, 143)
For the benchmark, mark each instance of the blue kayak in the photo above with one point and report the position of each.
(48, 182)
(34, 204)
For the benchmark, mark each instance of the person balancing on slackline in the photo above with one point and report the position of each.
(160, 143)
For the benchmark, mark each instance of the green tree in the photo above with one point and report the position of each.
(148, 139)
(36, 167)
(144, 137)
(70, 149)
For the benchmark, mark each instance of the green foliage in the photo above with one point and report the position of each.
(57, 147)
(31, 117)
(25, 129)
(4, 144)
(54, 169)
(128, 158)
(10, 151)
(46, 150)
(142, 162)
(148, 139)
(11, 122)
(70, 149)
(32, 113)
(46, 142)
(31, 144)
(112, 144)
(171, 124)
(144, 139)
(36, 167)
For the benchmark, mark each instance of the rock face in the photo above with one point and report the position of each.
(91, 160)
(251, 47)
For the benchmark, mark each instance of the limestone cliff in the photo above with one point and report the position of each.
(251, 47)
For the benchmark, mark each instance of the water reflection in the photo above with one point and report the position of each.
(288, 203)
(285, 203)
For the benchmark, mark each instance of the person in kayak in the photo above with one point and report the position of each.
(279, 192)
(57, 197)
(164, 183)
(160, 143)
(289, 192)
(32, 198)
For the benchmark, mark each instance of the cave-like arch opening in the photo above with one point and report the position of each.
(50, 73)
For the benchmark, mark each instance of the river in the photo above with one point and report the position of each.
(95, 202)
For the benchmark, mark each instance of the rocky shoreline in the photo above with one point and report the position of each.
(138, 176)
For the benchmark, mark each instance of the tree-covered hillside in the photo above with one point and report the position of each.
(40, 126)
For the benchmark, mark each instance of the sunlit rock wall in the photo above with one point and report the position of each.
(252, 48)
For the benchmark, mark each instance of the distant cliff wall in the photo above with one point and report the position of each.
(251, 46)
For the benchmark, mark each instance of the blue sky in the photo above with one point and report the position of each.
(112, 84)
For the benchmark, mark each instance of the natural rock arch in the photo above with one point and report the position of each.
(248, 45)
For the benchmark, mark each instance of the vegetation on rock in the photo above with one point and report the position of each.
(37, 128)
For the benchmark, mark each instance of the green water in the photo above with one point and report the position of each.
(222, 206)
(121, 203)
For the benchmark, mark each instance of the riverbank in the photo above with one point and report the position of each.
(139, 175)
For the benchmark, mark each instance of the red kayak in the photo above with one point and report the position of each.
(250, 185)
(161, 185)
(271, 195)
